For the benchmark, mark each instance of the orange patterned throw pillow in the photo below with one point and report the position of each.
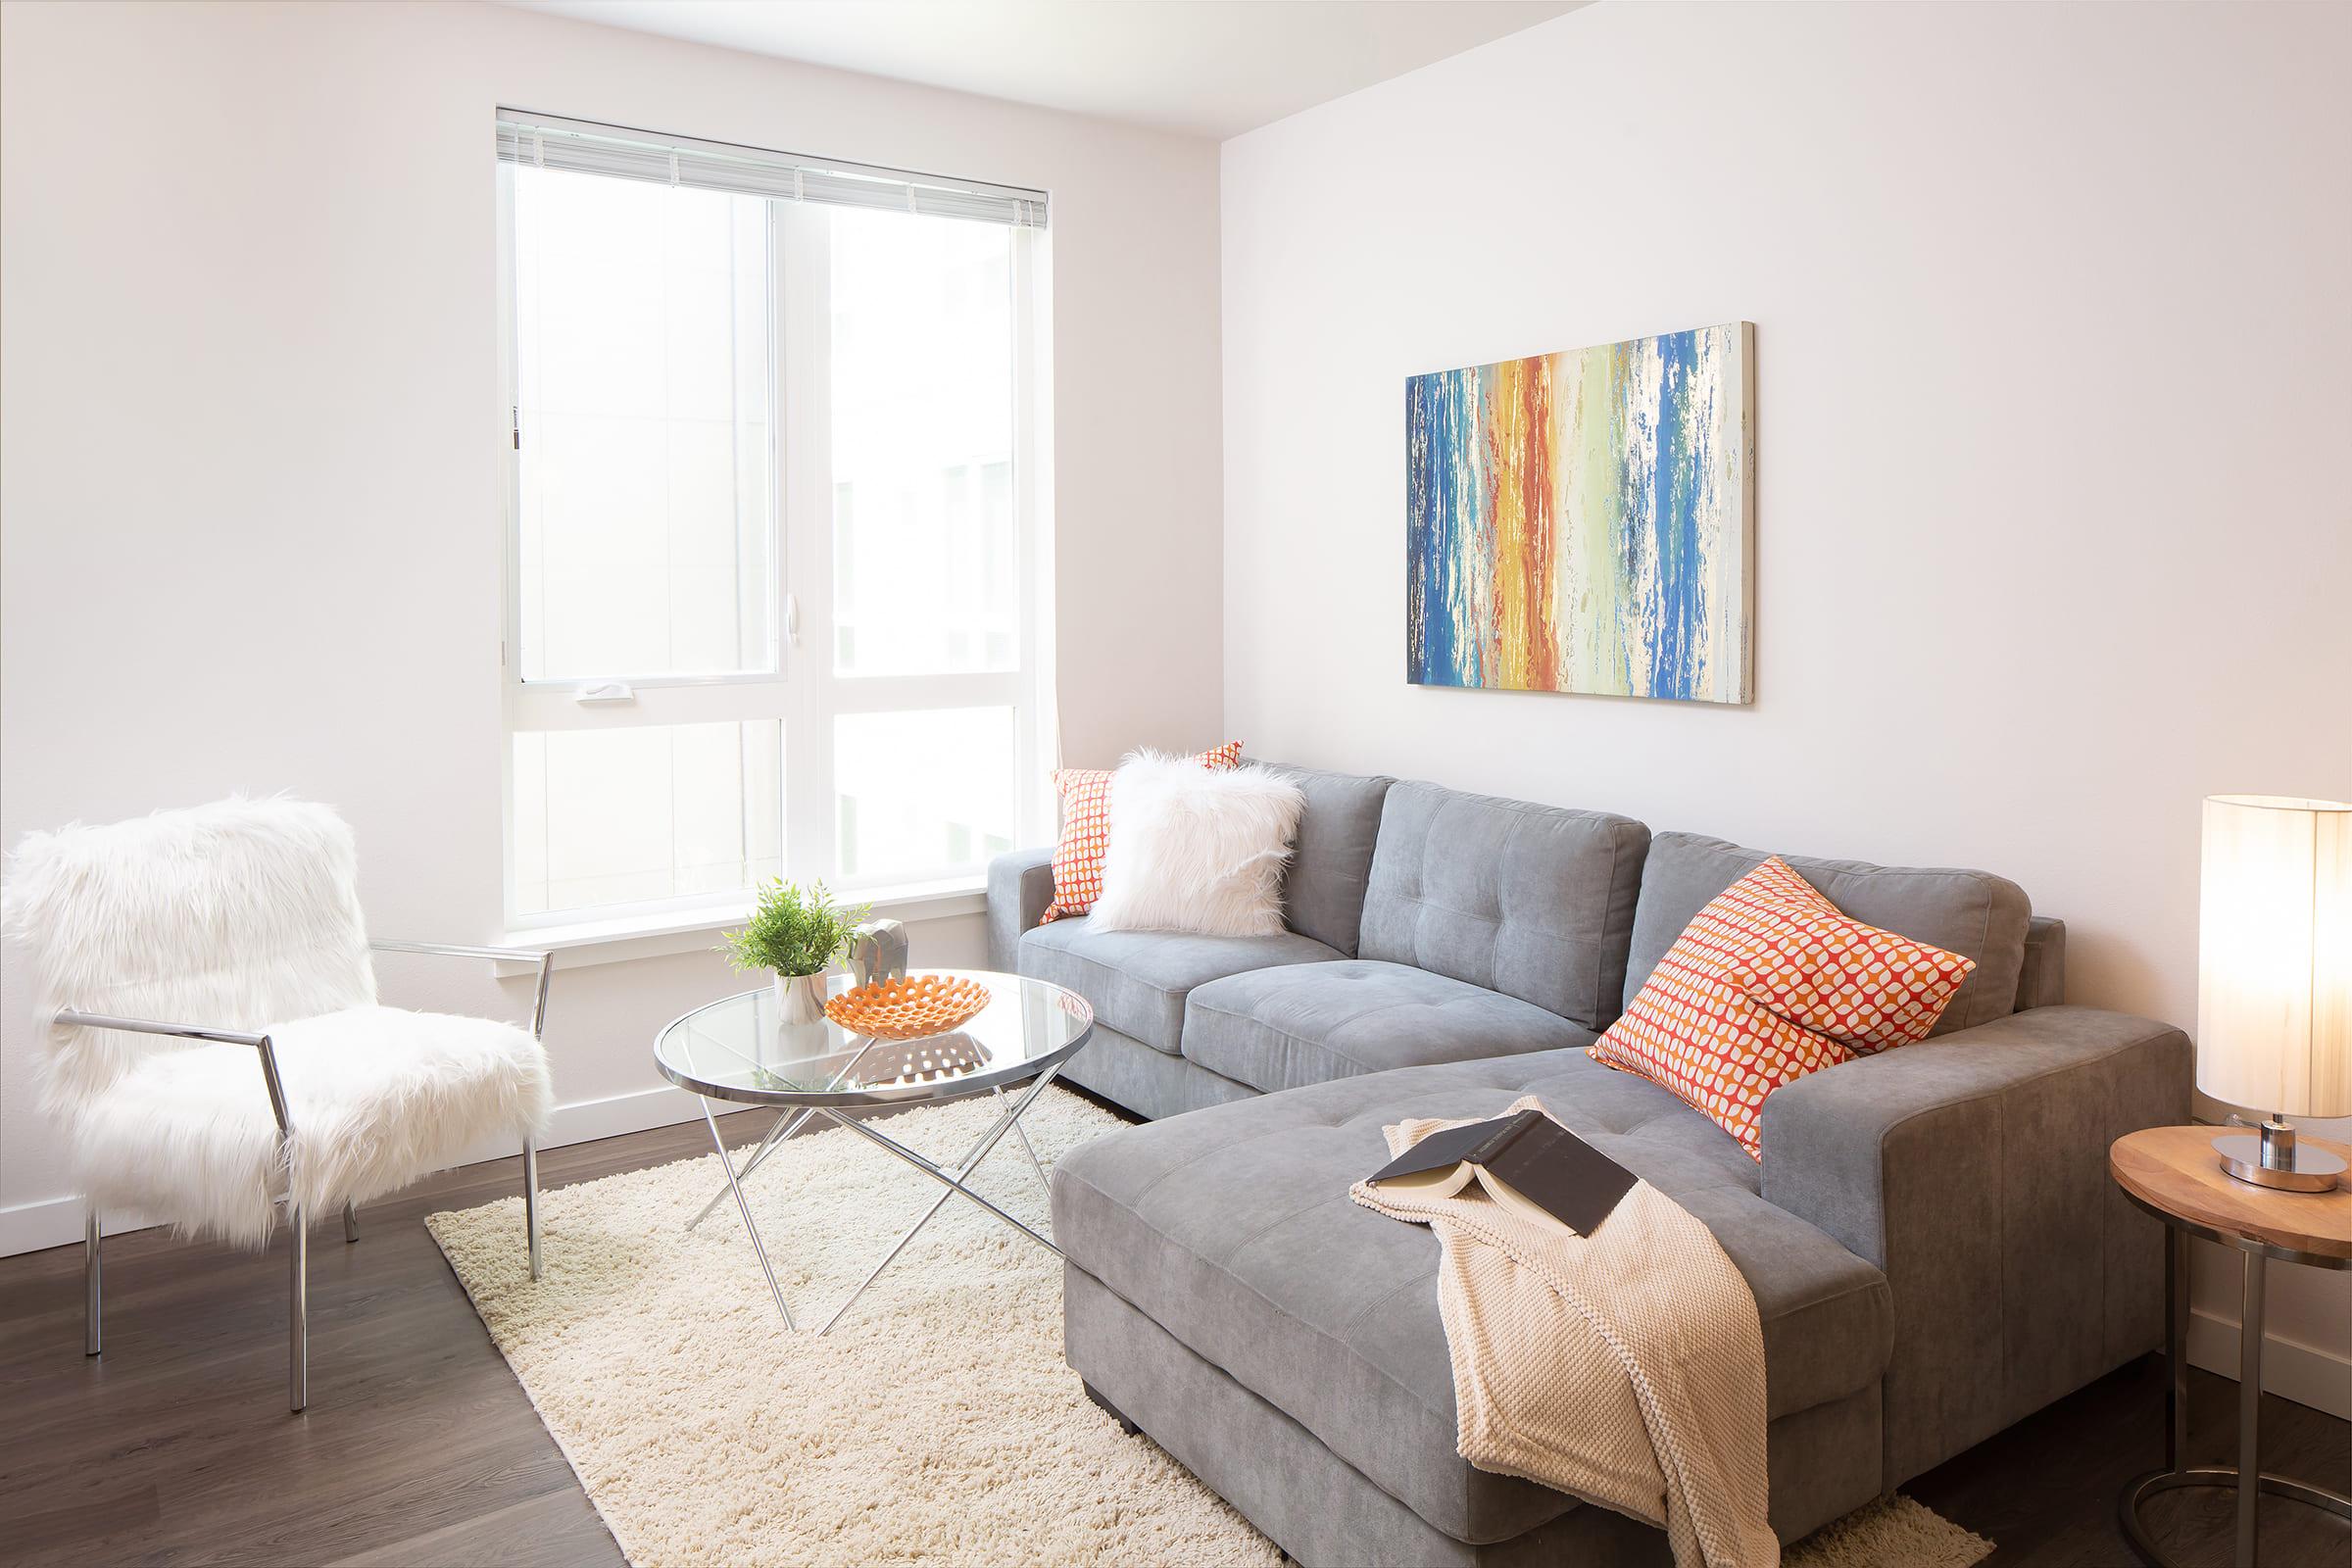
(1768, 983)
(1086, 830)
(1865, 988)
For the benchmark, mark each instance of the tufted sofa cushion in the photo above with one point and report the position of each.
(1532, 901)
(1138, 980)
(1306, 1023)
(1232, 1229)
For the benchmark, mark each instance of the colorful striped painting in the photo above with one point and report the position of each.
(1580, 521)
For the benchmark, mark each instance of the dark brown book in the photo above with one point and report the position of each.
(1527, 1162)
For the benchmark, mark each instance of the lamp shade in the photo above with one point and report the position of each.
(2274, 954)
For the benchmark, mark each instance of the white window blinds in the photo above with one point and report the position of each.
(581, 147)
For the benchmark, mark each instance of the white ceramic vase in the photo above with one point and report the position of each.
(799, 998)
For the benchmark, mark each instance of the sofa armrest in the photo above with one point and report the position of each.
(1020, 886)
(1972, 1169)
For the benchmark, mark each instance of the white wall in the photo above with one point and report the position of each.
(2052, 335)
(250, 535)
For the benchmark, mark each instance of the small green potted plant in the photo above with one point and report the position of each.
(795, 933)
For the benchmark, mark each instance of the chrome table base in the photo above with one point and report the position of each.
(783, 1127)
(2275, 1160)
(2246, 1477)
(953, 1180)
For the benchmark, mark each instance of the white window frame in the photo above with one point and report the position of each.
(803, 691)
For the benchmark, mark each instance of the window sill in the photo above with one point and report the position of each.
(580, 943)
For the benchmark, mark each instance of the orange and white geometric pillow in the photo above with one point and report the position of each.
(1086, 830)
(1863, 987)
(1706, 1024)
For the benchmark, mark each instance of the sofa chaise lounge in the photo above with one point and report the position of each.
(1934, 1246)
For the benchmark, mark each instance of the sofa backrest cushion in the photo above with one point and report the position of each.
(1323, 894)
(1534, 902)
(1973, 914)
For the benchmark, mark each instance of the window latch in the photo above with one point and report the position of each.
(792, 619)
(602, 691)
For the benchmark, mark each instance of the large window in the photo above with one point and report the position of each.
(776, 559)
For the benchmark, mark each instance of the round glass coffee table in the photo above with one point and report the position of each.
(744, 1050)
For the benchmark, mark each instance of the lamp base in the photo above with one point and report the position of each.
(2305, 1170)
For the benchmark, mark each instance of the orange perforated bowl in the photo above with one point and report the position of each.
(908, 1006)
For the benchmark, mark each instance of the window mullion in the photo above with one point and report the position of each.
(510, 621)
(1037, 721)
(552, 708)
(804, 437)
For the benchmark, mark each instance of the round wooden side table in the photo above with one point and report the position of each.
(2173, 1174)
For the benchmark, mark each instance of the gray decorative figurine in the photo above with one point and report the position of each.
(877, 951)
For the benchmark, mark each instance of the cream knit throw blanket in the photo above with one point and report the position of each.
(1626, 1368)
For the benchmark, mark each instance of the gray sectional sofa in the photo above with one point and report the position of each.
(1933, 1245)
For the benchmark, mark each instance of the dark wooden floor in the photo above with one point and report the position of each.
(419, 1448)
(2045, 1490)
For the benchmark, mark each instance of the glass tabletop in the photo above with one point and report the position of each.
(741, 1048)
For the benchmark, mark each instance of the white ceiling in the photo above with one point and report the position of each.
(1210, 67)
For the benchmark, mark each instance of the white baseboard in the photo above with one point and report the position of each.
(56, 1221)
(2290, 1369)
(53, 1222)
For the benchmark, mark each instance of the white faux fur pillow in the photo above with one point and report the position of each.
(1196, 851)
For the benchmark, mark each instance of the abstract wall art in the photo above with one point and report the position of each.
(1585, 521)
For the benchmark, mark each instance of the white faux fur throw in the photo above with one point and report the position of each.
(1196, 851)
(243, 915)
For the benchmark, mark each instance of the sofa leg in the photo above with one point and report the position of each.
(1125, 1425)
(351, 1223)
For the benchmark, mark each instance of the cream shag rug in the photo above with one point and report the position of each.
(937, 1421)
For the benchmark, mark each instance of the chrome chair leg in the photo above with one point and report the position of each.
(530, 1198)
(298, 1309)
(89, 1280)
(351, 1224)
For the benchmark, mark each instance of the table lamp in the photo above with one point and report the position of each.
(2275, 978)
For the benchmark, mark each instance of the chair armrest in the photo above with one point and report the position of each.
(75, 1019)
(1972, 1169)
(455, 950)
(545, 959)
(1020, 887)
